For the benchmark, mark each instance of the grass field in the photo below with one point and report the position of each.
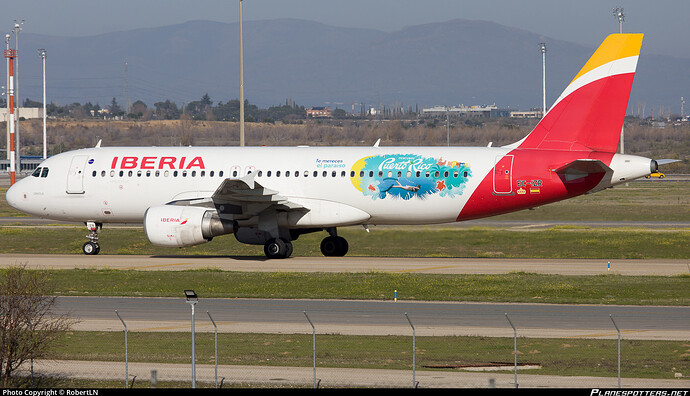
(439, 241)
(513, 287)
(569, 357)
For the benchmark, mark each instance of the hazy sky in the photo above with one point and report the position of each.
(665, 22)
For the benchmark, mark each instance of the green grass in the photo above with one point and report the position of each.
(569, 357)
(513, 287)
(554, 242)
(638, 201)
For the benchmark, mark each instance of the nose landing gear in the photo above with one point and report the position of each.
(92, 247)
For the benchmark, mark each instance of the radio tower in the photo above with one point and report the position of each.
(10, 54)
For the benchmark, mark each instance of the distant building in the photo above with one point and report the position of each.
(23, 112)
(319, 112)
(526, 114)
(465, 111)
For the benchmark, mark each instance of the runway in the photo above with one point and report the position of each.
(639, 267)
(380, 317)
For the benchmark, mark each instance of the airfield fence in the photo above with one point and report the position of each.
(124, 359)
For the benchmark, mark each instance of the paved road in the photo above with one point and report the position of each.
(380, 317)
(665, 267)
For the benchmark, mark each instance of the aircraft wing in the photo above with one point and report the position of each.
(244, 197)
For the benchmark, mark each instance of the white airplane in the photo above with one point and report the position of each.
(270, 196)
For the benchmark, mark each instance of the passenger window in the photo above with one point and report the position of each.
(258, 174)
(138, 173)
(193, 173)
(455, 174)
(343, 173)
(234, 173)
(112, 173)
(277, 173)
(352, 173)
(316, 173)
(361, 173)
(122, 173)
(306, 173)
(380, 173)
(210, 173)
(203, 173)
(464, 174)
(94, 173)
(287, 173)
(268, 173)
(325, 173)
(220, 174)
(158, 173)
(371, 173)
(399, 173)
(445, 174)
(166, 173)
(418, 173)
(333, 174)
(436, 174)
(102, 173)
(296, 173)
(175, 174)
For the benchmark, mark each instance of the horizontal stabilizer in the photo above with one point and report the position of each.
(582, 168)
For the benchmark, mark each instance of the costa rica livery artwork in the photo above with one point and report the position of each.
(409, 176)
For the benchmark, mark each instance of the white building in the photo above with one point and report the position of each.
(23, 112)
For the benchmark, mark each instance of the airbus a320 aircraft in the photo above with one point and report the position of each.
(271, 195)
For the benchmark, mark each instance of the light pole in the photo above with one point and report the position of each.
(542, 47)
(17, 28)
(241, 82)
(42, 53)
(7, 49)
(618, 13)
(192, 299)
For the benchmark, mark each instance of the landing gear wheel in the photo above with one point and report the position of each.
(91, 248)
(278, 248)
(334, 246)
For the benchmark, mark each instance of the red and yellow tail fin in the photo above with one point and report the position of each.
(589, 113)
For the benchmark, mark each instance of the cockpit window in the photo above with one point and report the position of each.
(37, 172)
(44, 173)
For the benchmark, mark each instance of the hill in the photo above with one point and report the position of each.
(459, 61)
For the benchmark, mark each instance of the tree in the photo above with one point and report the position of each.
(28, 326)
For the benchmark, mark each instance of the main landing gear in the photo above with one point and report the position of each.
(92, 247)
(331, 246)
(278, 248)
(334, 245)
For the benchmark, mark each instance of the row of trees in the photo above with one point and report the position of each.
(202, 109)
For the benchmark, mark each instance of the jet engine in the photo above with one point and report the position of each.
(179, 226)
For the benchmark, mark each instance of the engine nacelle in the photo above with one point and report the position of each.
(179, 226)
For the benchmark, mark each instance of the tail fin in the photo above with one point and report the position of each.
(589, 113)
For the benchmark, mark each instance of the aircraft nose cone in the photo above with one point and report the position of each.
(14, 197)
